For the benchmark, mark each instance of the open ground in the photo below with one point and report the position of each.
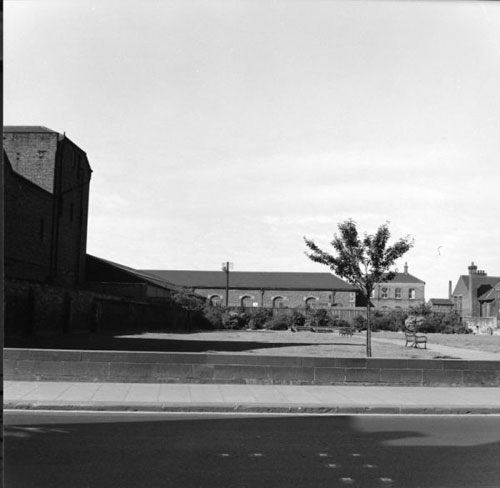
(286, 343)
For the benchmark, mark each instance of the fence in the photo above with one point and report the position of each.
(341, 313)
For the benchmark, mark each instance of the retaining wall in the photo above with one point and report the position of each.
(159, 367)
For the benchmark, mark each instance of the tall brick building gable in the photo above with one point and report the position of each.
(47, 180)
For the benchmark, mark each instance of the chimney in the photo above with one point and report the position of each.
(472, 268)
(449, 290)
(406, 268)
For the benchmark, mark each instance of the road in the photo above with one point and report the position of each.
(89, 450)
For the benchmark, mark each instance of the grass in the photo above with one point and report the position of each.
(384, 344)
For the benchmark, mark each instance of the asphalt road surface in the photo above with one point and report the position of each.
(88, 450)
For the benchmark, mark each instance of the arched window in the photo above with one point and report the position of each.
(215, 300)
(311, 301)
(246, 301)
(278, 302)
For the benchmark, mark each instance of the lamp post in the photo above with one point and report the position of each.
(226, 267)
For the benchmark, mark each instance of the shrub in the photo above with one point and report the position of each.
(214, 316)
(235, 319)
(279, 322)
(360, 322)
(321, 318)
(259, 318)
(297, 319)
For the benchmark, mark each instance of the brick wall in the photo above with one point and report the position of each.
(28, 228)
(70, 244)
(33, 155)
(36, 309)
(404, 302)
(266, 298)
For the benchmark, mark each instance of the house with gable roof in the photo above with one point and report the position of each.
(402, 292)
(475, 294)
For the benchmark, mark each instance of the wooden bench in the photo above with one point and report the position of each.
(414, 339)
(345, 331)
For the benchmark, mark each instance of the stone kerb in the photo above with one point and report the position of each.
(159, 367)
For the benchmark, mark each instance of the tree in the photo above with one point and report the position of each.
(363, 262)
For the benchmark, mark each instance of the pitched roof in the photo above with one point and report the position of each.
(441, 301)
(481, 281)
(139, 275)
(253, 280)
(28, 129)
(490, 294)
(406, 278)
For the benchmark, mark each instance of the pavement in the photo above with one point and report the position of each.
(310, 399)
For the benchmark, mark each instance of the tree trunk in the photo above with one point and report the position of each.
(368, 331)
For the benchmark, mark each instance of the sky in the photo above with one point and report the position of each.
(227, 130)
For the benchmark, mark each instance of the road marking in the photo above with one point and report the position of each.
(256, 454)
(224, 454)
(386, 480)
(369, 466)
(347, 481)
(333, 465)
(322, 454)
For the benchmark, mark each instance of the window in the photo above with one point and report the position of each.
(278, 302)
(411, 293)
(385, 293)
(352, 296)
(398, 293)
(246, 301)
(215, 300)
(310, 302)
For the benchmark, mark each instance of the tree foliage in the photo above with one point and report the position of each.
(363, 261)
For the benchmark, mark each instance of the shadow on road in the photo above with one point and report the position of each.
(252, 452)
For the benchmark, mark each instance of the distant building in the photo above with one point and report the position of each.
(47, 180)
(116, 279)
(444, 305)
(402, 292)
(264, 289)
(477, 294)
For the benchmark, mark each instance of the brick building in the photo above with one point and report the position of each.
(443, 305)
(264, 289)
(47, 180)
(116, 279)
(477, 294)
(402, 292)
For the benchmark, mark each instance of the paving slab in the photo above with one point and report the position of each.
(250, 398)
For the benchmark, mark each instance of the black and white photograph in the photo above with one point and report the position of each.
(251, 243)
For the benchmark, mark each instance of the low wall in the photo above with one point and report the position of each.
(160, 367)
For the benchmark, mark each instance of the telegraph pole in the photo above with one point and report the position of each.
(226, 267)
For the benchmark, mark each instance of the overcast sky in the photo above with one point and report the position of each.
(228, 130)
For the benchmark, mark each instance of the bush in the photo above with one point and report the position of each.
(214, 315)
(360, 322)
(279, 322)
(297, 319)
(259, 319)
(235, 319)
(321, 318)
